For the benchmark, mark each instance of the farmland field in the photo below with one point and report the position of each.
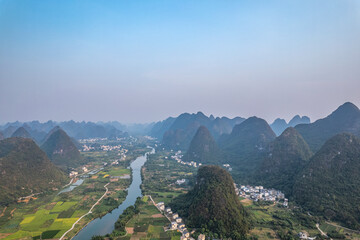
(52, 214)
(149, 224)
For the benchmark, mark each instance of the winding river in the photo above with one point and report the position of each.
(105, 225)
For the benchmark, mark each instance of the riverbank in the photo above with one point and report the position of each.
(105, 224)
(51, 215)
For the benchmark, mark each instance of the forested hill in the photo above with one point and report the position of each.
(330, 184)
(21, 132)
(61, 149)
(25, 169)
(212, 206)
(179, 132)
(247, 144)
(289, 154)
(203, 148)
(345, 118)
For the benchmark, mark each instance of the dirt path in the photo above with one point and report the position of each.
(12, 212)
(322, 233)
(2, 214)
(90, 211)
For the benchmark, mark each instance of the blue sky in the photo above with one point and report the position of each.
(141, 61)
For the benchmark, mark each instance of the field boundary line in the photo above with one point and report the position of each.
(89, 212)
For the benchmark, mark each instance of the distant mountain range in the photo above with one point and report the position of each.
(77, 130)
(345, 118)
(25, 169)
(279, 125)
(177, 133)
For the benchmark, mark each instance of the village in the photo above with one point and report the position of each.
(177, 157)
(177, 222)
(259, 193)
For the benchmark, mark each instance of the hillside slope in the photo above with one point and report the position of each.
(25, 169)
(330, 185)
(21, 132)
(212, 206)
(289, 153)
(345, 118)
(247, 144)
(61, 150)
(203, 148)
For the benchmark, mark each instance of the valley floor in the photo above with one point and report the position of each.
(51, 215)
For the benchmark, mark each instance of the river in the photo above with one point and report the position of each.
(105, 225)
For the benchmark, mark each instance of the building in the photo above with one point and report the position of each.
(173, 225)
(73, 174)
(201, 237)
(175, 215)
(178, 220)
(303, 235)
(186, 234)
(168, 210)
(181, 226)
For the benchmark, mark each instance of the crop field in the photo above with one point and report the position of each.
(149, 224)
(160, 175)
(44, 222)
(119, 171)
(51, 216)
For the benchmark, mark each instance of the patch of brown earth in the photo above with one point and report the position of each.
(4, 235)
(130, 230)
(157, 215)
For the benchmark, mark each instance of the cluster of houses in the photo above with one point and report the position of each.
(177, 157)
(260, 193)
(176, 221)
(110, 148)
(92, 140)
(86, 148)
(180, 181)
(227, 166)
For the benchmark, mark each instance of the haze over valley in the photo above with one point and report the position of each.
(179, 120)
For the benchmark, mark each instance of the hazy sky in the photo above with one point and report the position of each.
(140, 61)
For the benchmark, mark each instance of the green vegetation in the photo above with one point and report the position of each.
(330, 185)
(203, 148)
(212, 206)
(21, 132)
(125, 217)
(25, 169)
(160, 174)
(344, 119)
(179, 132)
(51, 215)
(143, 221)
(61, 150)
(246, 146)
(288, 155)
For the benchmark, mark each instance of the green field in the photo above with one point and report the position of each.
(149, 224)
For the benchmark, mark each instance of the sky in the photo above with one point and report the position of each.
(142, 61)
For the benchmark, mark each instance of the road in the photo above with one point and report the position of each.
(89, 212)
(348, 229)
